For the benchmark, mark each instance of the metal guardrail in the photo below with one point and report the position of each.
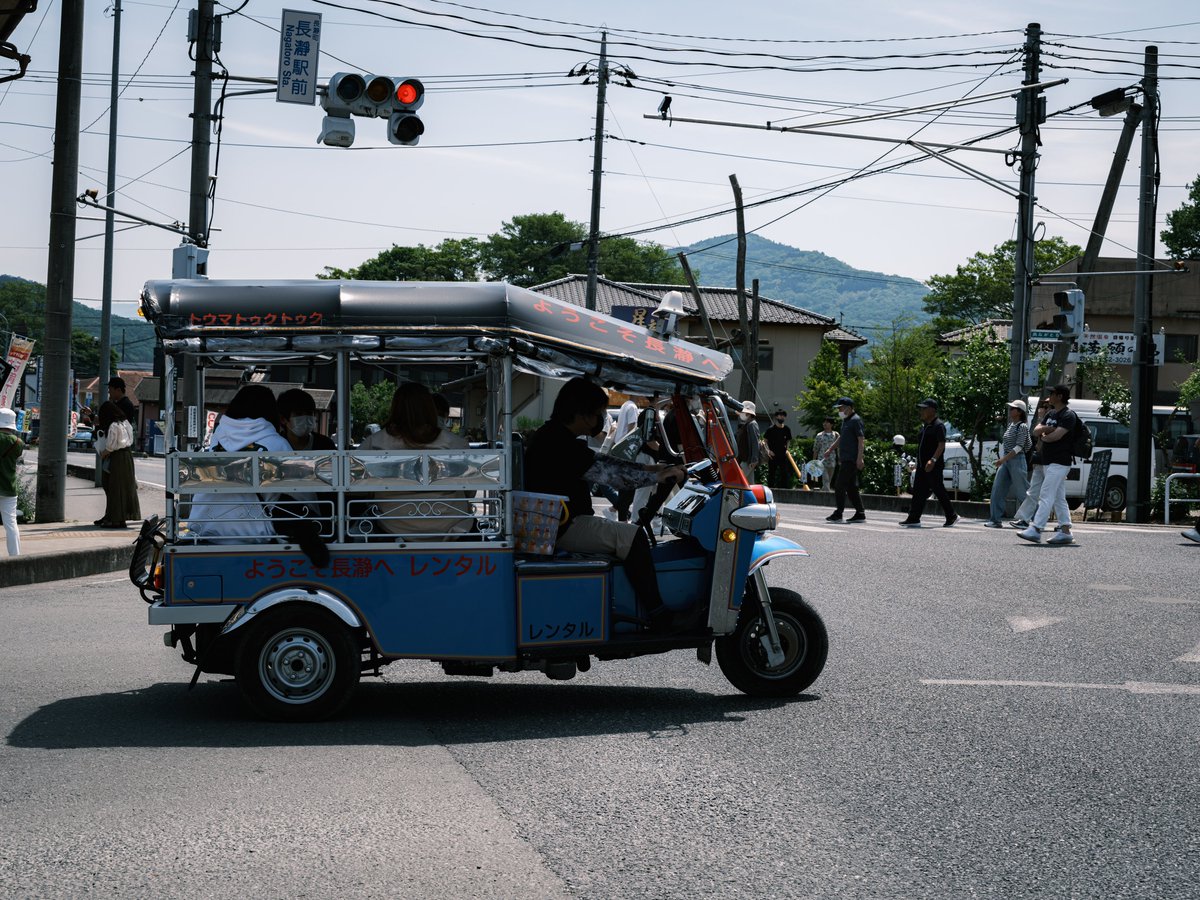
(1167, 494)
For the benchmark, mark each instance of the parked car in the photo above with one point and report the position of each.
(82, 440)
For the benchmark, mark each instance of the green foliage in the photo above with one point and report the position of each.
(369, 405)
(1180, 489)
(825, 382)
(1189, 388)
(1100, 377)
(972, 390)
(451, 260)
(810, 280)
(26, 499)
(900, 373)
(879, 468)
(23, 304)
(528, 250)
(85, 355)
(982, 288)
(527, 426)
(1182, 234)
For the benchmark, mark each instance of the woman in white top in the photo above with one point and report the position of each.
(413, 425)
(250, 422)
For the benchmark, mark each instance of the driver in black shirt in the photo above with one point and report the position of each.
(558, 462)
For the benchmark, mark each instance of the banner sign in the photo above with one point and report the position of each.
(19, 351)
(1120, 346)
(299, 54)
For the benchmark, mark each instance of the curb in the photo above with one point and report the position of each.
(967, 509)
(19, 570)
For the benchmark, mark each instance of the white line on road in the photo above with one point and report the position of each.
(1193, 656)
(1030, 623)
(1133, 687)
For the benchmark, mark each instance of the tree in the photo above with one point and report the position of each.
(1182, 234)
(825, 382)
(370, 405)
(540, 247)
(982, 288)
(972, 390)
(1099, 376)
(900, 375)
(451, 260)
(85, 355)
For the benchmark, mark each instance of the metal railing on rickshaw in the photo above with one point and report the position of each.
(360, 496)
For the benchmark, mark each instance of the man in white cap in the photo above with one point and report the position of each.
(748, 439)
(11, 448)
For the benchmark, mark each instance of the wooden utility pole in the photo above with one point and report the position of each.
(691, 280)
(754, 310)
(746, 388)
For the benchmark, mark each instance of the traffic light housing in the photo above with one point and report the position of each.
(374, 96)
(404, 126)
(1069, 318)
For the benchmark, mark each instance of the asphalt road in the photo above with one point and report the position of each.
(996, 719)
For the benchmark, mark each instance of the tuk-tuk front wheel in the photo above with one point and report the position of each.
(297, 664)
(742, 655)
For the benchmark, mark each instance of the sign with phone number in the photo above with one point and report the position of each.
(1119, 346)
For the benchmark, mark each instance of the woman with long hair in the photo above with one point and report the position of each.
(116, 461)
(413, 425)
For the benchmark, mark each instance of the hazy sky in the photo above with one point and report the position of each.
(507, 133)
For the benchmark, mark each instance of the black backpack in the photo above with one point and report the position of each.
(1081, 440)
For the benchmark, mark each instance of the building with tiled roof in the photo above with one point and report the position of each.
(789, 337)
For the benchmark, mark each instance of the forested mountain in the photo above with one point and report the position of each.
(811, 280)
(23, 304)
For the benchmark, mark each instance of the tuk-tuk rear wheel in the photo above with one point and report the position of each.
(803, 638)
(297, 664)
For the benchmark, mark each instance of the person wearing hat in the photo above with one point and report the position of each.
(1012, 471)
(748, 440)
(931, 450)
(776, 438)
(851, 442)
(11, 447)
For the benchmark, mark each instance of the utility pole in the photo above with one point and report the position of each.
(1141, 422)
(695, 288)
(1031, 112)
(111, 199)
(754, 312)
(60, 274)
(202, 28)
(1108, 198)
(593, 261)
(746, 388)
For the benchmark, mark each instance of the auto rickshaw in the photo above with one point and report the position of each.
(298, 629)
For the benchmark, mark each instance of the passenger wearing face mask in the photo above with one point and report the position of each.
(298, 421)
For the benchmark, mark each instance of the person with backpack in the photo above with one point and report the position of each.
(1056, 435)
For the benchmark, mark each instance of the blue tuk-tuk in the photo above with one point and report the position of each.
(297, 630)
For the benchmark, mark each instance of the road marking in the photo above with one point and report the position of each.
(1175, 601)
(806, 527)
(1193, 656)
(1113, 588)
(1133, 687)
(1028, 623)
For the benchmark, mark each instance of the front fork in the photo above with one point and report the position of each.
(770, 640)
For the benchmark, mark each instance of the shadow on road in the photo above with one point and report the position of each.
(413, 714)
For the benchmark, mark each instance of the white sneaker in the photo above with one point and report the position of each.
(1062, 537)
(1192, 534)
(1032, 534)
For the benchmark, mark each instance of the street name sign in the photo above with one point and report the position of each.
(299, 54)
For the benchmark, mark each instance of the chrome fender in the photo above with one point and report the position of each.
(316, 597)
(771, 546)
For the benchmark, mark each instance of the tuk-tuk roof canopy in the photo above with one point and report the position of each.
(226, 308)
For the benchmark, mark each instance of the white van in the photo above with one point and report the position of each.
(1107, 434)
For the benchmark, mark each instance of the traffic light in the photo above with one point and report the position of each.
(404, 126)
(1069, 318)
(374, 96)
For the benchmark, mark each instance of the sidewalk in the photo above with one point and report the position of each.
(74, 548)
